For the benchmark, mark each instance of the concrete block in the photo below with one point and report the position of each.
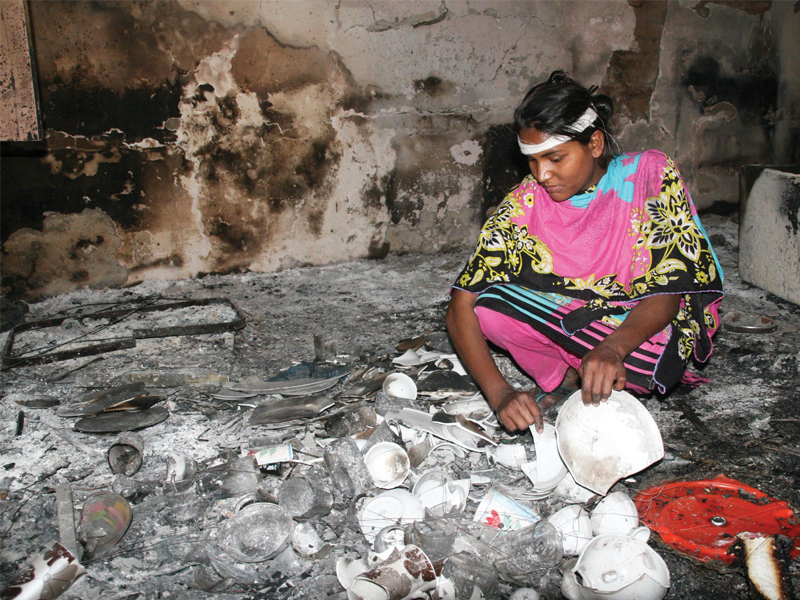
(769, 230)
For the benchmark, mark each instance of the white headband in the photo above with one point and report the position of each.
(579, 126)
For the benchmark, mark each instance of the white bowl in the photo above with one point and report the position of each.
(400, 385)
(602, 444)
(388, 464)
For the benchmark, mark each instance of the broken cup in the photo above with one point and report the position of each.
(47, 576)
(388, 464)
(406, 573)
(125, 456)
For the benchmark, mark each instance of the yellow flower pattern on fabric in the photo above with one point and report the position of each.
(505, 244)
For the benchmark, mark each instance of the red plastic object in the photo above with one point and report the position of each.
(703, 518)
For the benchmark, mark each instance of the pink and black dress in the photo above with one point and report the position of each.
(555, 278)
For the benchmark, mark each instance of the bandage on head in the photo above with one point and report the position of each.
(584, 122)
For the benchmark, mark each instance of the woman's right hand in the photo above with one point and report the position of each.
(517, 410)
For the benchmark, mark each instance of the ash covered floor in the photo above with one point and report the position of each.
(744, 424)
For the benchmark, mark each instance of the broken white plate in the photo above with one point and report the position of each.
(457, 430)
(509, 455)
(603, 444)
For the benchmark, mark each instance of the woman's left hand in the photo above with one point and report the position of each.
(601, 371)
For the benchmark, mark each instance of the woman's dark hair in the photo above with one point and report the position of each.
(553, 106)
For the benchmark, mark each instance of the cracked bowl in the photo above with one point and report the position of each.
(602, 444)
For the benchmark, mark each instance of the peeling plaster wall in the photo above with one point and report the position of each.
(195, 136)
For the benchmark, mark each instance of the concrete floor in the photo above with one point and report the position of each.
(744, 424)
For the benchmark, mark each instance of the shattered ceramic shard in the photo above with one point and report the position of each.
(256, 533)
(451, 428)
(125, 455)
(408, 359)
(508, 455)
(616, 513)
(388, 465)
(602, 444)
(570, 490)
(104, 520)
(289, 409)
(346, 468)
(400, 385)
(575, 527)
(550, 468)
(46, 577)
(617, 567)
(395, 507)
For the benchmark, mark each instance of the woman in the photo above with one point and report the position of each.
(595, 272)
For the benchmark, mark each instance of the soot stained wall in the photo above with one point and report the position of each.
(186, 137)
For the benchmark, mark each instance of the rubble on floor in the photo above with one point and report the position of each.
(334, 447)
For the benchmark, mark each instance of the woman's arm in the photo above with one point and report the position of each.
(515, 409)
(602, 368)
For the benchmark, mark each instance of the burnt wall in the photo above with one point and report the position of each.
(187, 137)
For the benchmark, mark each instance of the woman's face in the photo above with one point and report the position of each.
(566, 169)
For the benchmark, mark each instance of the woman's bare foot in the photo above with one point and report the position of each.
(569, 385)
